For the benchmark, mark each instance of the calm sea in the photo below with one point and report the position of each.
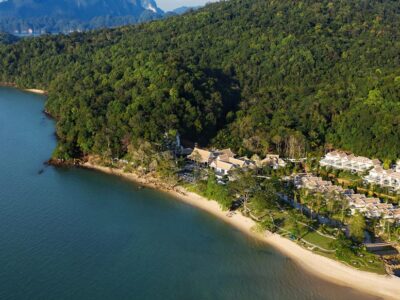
(78, 234)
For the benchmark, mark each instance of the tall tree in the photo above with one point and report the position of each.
(357, 227)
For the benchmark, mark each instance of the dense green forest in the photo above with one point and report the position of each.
(42, 25)
(254, 75)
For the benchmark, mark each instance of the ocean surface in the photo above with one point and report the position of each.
(79, 234)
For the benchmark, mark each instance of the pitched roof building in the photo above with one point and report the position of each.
(201, 156)
(228, 152)
(221, 167)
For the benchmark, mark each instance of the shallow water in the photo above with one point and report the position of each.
(79, 234)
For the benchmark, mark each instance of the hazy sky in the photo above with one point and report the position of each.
(171, 4)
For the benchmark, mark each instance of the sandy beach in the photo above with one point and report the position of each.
(385, 286)
(36, 91)
(12, 84)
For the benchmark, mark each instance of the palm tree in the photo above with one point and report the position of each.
(397, 232)
(320, 201)
(344, 206)
(333, 204)
(303, 199)
(389, 226)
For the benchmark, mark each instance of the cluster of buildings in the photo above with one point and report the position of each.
(341, 160)
(372, 208)
(388, 178)
(224, 161)
(317, 184)
(376, 174)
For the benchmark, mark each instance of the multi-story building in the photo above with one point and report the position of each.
(341, 160)
(379, 176)
(372, 208)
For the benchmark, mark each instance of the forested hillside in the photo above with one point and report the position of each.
(255, 75)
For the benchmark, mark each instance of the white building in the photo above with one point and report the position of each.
(370, 207)
(221, 168)
(317, 184)
(341, 160)
(382, 177)
(226, 162)
(397, 167)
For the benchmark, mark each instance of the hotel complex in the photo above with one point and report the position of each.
(224, 161)
(376, 174)
(371, 207)
(340, 160)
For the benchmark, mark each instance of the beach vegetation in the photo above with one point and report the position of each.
(357, 227)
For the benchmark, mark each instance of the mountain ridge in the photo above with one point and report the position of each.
(184, 9)
(6, 38)
(69, 15)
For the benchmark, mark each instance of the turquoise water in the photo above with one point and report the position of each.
(78, 234)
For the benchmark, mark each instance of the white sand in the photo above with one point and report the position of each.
(384, 286)
(36, 91)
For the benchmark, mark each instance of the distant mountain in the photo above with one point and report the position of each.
(6, 38)
(38, 16)
(184, 9)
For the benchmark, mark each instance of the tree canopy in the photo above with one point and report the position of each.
(253, 75)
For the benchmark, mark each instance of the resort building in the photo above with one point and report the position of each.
(382, 177)
(274, 161)
(396, 214)
(225, 152)
(361, 203)
(380, 210)
(222, 161)
(226, 161)
(341, 160)
(221, 168)
(370, 207)
(201, 156)
(317, 184)
(397, 166)
(234, 161)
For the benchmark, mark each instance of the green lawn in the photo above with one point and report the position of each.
(369, 262)
(319, 240)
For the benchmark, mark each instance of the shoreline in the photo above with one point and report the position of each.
(13, 85)
(36, 91)
(385, 286)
